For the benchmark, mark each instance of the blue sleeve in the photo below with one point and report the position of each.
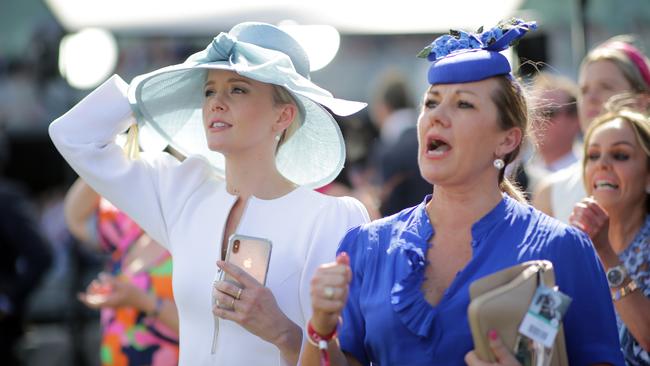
(589, 324)
(352, 329)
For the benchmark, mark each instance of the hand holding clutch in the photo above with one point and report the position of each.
(501, 300)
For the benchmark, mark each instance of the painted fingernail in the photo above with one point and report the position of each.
(492, 334)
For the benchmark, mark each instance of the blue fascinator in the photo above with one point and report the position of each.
(463, 57)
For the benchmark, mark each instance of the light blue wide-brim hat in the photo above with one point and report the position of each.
(168, 102)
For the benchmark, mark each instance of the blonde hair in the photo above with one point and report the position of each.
(283, 96)
(132, 147)
(637, 120)
(606, 51)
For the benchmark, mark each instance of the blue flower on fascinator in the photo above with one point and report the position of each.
(460, 57)
(490, 36)
(453, 42)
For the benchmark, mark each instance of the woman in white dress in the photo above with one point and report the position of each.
(257, 139)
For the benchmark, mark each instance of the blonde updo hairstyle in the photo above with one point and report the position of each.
(282, 96)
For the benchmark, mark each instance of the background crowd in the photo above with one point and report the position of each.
(41, 315)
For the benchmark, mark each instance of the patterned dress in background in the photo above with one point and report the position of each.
(636, 258)
(129, 336)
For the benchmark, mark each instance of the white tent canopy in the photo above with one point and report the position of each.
(348, 16)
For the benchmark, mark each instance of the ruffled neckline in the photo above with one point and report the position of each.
(409, 243)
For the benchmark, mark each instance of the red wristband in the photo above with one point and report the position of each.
(320, 341)
(317, 337)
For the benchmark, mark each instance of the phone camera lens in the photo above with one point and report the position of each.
(235, 247)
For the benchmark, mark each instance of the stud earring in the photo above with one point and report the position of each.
(647, 189)
(498, 163)
(277, 137)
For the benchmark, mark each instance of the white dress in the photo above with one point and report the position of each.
(567, 189)
(184, 206)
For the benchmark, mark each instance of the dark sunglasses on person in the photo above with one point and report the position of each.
(554, 111)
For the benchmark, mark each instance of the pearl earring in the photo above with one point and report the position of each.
(277, 137)
(498, 163)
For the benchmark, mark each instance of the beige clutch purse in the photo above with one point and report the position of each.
(500, 301)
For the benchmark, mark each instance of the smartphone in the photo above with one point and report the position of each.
(250, 254)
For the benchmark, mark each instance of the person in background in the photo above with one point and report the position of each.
(395, 152)
(401, 284)
(25, 258)
(616, 216)
(138, 314)
(613, 67)
(558, 127)
(244, 109)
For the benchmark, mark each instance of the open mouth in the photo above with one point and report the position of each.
(219, 125)
(605, 185)
(437, 147)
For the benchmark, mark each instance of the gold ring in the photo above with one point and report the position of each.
(232, 304)
(328, 292)
(239, 290)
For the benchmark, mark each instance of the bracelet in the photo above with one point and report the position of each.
(625, 290)
(316, 338)
(320, 341)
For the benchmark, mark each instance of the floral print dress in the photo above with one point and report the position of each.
(636, 259)
(129, 336)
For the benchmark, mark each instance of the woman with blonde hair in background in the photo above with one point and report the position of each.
(613, 67)
(616, 215)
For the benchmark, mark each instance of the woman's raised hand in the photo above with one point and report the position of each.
(588, 216)
(329, 292)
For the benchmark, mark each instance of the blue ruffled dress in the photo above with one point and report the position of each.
(387, 320)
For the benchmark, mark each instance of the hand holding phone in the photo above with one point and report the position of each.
(248, 254)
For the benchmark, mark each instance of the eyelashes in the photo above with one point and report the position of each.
(233, 90)
(617, 156)
(461, 104)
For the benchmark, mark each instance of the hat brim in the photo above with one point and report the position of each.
(170, 100)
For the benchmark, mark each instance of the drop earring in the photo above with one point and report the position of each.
(498, 163)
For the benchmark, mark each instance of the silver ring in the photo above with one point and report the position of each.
(328, 292)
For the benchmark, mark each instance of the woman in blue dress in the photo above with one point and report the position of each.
(400, 284)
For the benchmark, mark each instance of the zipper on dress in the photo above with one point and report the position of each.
(219, 274)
